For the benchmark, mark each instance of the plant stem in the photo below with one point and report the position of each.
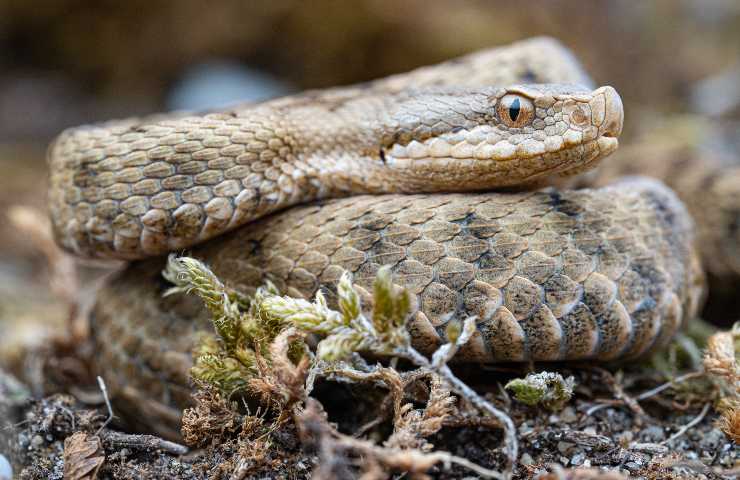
(459, 387)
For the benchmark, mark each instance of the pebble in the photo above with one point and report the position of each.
(6, 471)
(565, 447)
(653, 434)
(625, 438)
(37, 441)
(712, 440)
(578, 459)
(568, 415)
(524, 428)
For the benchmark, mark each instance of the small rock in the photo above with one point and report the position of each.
(691, 455)
(6, 471)
(564, 461)
(624, 438)
(526, 459)
(653, 434)
(712, 440)
(565, 447)
(631, 466)
(37, 441)
(590, 430)
(525, 427)
(568, 415)
(578, 459)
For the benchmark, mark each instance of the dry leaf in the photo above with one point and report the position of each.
(83, 456)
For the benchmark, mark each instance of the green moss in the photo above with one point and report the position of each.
(247, 326)
(548, 389)
(226, 360)
(348, 330)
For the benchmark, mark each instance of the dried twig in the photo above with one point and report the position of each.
(669, 384)
(459, 387)
(104, 391)
(689, 425)
(388, 377)
(313, 423)
(620, 394)
(622, 398)
(141, 442)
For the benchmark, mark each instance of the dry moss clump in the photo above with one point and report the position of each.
(259, 357)
(721, 362)
(258, 378)
(291, 388)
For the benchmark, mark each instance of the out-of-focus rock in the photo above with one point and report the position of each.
(219, 84)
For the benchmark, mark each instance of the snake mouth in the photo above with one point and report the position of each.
(473, 173)
(591, 150)
(607, 144)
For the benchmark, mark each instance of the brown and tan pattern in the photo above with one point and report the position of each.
(550, 274)
(705, 177)
(139, 188)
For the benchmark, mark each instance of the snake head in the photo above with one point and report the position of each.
(500, 137)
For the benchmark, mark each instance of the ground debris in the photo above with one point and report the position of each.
(306, 412)
(83, 456)
(549, 389)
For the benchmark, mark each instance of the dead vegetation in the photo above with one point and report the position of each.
(260, 354)
(267, 404)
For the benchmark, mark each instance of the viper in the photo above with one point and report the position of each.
(437, 173)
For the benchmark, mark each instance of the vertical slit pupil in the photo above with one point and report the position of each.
(514, 110)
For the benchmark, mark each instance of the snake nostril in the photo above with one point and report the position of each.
(614, 114)
(609, 131)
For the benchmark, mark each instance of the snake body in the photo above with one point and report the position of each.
(551, 274)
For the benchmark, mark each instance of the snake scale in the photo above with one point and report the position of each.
(371, 172)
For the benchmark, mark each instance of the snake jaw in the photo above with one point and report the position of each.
(569, 130)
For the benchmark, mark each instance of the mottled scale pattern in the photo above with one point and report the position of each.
(604, 274)
(705, 178)
(140, 187)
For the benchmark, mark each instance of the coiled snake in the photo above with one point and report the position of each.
(551, 274)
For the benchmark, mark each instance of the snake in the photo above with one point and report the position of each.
(440, 173)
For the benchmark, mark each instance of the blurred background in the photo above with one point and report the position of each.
(68, 62)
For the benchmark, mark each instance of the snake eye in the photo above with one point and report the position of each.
(515, 111)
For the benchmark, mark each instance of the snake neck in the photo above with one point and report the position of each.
(133, 189)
